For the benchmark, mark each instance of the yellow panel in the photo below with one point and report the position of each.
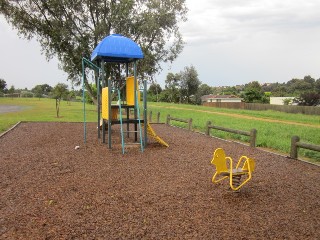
(130, 91)
(104, 103)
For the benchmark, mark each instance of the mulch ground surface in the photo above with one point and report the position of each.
(50, 190)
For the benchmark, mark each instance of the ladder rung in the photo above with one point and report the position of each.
(132, 144)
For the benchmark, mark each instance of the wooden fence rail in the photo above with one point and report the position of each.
(188, 121)
(295, 144)
(252, 134)
(158, 117)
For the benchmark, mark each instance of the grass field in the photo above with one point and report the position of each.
(275, 129)
(44, 110)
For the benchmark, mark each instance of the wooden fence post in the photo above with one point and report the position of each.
(190, 124)
(168, 119)
(253, 136)
(208, 128)
(294, 148)
(158, 117)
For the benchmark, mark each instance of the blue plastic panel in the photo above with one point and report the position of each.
(117, 48)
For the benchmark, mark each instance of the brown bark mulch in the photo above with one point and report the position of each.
(50, 190)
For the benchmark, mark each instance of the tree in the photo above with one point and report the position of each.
(204, 89)
(189, 83)
(37, 90)
(317, 86)
(42, 90)
(59, 91)
(171, 92)
(154, 91)
(3, 85)
(252, 92)
(308, 99)
(11, 90)
(70, 29)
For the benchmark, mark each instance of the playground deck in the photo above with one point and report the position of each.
(50, 190)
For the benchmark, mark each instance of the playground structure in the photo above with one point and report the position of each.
(117, 49)
(245, 166)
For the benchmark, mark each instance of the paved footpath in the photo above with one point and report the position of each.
(10, 108)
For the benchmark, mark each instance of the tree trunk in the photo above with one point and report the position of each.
(57, 106)
(90, 92)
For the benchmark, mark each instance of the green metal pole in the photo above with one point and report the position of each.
(103, 83)
(84, 103)
(109, 110)
(97, 73)
(135, 98)
(145, 112)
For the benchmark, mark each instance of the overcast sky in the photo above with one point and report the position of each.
(229, 42)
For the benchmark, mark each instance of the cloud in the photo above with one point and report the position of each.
(221, 21)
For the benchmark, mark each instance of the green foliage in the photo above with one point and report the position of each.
(253, 93)
(26, 94)
(154, 89)
(293, 88)
(3, 85)
(308, 99)
(88, 97)
(181, 87)
(153, 92)
(70, 29)
(203, 90)
(287, 101)
(171, 92)
(11, 89)
(60, 91)
(189, 83)
(42, 90)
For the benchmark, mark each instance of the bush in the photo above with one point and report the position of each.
(26, 94)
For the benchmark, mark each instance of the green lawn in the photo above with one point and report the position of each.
(271, 135)
(44, 110)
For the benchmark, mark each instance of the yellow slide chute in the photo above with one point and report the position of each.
(153, 134)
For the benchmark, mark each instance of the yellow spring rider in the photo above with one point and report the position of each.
(245, 166)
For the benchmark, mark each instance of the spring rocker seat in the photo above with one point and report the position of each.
(244, 167)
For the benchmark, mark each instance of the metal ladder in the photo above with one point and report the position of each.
(137, 109)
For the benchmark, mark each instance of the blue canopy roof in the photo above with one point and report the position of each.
(117, 48)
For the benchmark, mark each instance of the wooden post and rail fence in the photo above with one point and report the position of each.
(252, 134)
(295, 140)
(296, 144)
(188, 121)
(158, 117)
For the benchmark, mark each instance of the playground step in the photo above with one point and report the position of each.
(130, 131)
(132, 144)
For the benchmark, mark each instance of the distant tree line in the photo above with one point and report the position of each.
(185, 87)
(59, 91)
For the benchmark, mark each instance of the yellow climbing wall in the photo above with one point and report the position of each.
(104, 103)
(130, 90)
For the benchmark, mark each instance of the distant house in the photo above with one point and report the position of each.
(220, 98)
(280, 100)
